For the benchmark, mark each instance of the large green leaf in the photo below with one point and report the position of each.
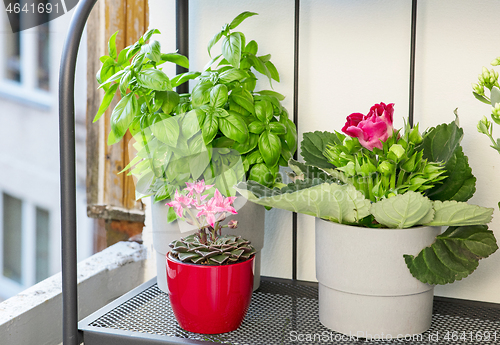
(338, 203)
(244, 99)
(403, 210)
(214, 40)
(201, 94)
(314, 144)
(247, 146)
(184, 77)
(264, 111)
(459, 184)
(233, 127)
(152, 51)
(122, 115)
(154, 79)
(270, 148)
(453, 213)
(440, 143)
(231, 48)
(453, 256)
(232, 75)
(112, 46)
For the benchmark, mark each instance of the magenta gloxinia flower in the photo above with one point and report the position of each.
(372, 129)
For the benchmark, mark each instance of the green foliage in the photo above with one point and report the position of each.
(453, 256)
(225, 249)
(453, 213)
(403, 211)
(314, 144)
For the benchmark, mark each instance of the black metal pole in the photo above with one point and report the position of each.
(67, 171)
(182, 37)
(412, 60)
(296, 121)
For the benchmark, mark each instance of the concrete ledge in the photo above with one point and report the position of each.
(34, 316)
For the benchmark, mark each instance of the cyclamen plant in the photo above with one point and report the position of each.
(376, 176)
(208, 245)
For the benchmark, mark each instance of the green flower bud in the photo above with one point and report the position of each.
(415, 136)
(386, 168)
(409, 165)
(479, 89)
(483, 126)
(496, 62)
(398, 151)
(495, 113)
(349, 169)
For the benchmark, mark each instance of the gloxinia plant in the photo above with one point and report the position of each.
(208, 245)
(376, 176)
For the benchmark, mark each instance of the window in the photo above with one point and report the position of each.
(25, 244)
(12, 238)
(25, 61)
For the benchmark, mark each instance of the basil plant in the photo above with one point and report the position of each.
(225, 131)
(379, 177)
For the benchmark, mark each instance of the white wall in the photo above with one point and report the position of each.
(356, 53)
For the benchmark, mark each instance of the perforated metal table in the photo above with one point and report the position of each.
(281, 312)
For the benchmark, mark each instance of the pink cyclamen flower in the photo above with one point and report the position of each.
(180, 201)
(372, 129)
(197, 187)
(209, 210)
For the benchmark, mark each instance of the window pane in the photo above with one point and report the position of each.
(42, 244)
(13, 51)
(43, 55)
(12, 235)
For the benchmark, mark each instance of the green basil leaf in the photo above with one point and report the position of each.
(252, 47)
(291, 136)
(152, 51)
(190, 126)
(260, 67)
(213, 41)
(201, 94)
(277, 128)
(133, 50)
(137, 61)
(264, 111)
(167, 131)
(241, 17)
(112, 46)
(209, 128)
(150, 33)
(254, 157)
(218, 95)
(170, 100)
(211, 62)
(176, 58)
(234, 127)
(256, 127)
(273, 71)
(278, 95)
(154, 79)
(124, 81)
(184, 77)
(123, 114)
(112, 78)
(247, 146)
(232, 74)
(270, 148)
(220, 112)
(265, 58)
(231, 49)
(106, 101)
(453, 256)
(244, 99)
(107, 71)
(261, 174)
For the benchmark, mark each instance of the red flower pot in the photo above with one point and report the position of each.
(209, 299)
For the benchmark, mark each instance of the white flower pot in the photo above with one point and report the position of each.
(365, 287)
(250, 219)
